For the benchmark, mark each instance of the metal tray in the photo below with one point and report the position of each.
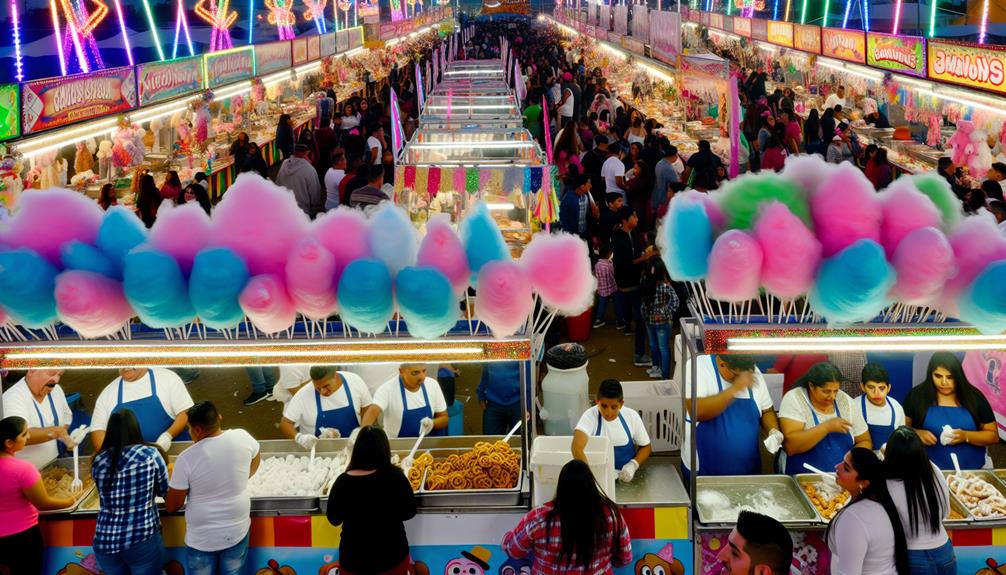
(470, 497)
(91, 504)
(85, 473)
(988, 476)
(810, 478)
(781, 486)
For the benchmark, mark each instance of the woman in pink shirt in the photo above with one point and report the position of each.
(22, 494)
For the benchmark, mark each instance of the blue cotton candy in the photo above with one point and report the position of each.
(120, 232)
(393, 238)
(27, 284)
(685, 239)
(156, 288)
(853, 284)
(218, 276)
(482, 239)
(426, 301)
(76, 255)
(983, 304)
(365, 301)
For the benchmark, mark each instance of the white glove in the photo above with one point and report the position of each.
(425, 426)
(306, 441)
(628, 471)
(352, 437)
(79, 434)
(543, 413)
(773, 443)
(330, 433)
(66, 438)
(947, 436)
(164, 441)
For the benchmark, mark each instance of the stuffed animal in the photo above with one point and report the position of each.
(970, 149)
(104, 160)
(83, 161)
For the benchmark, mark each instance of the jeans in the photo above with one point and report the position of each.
(939, 561)
(230, 561)
(262, 378)
(143, 558)
(602, 307)
(633, 300)
(660, 347)
(500, 419)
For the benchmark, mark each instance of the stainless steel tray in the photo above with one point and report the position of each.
(780, 487)
(992, 479)
(810, 478)
(469, 497)
(85, 474)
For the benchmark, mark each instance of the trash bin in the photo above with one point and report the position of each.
(578, 327)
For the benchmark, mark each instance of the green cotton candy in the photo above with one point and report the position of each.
(938, 190)
(742, 199)
(472, 180)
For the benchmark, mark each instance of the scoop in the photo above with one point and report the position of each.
(829, 479)
(76, 485)
(512, 431)
(957, 464)
(409, 459)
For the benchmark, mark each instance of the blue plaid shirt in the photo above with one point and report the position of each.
(128, 512)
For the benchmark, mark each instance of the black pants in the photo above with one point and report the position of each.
(21, 553)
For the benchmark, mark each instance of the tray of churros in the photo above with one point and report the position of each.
(484, 474)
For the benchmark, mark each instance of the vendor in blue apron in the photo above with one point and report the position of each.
(621, 425)
(951, 415)
(156, 396)
(330, 408)
(409, 404)
(820, 422)
(39, 400)
(733, 406)
(882, 414)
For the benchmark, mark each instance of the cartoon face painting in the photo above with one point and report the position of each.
(663, 563)
(474, 562)
(515, 567)
(330, 568)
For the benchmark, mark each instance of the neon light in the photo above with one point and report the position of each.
(59, 42)
(18, 66)
(81, 60)
(251, 19)
(217, 16)
(788, 5)
(153, 29)
(932, 20)
(316, 11)
(848, 7)
(77, 37)
(125, 35)
(866, 15)
(803, 13)
(181, 22)
(985, 21)
(282, 17)
(827, 7)
(775, 10)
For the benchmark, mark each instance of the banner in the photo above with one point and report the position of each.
(299, 51)
(159, 81)
(621, 24)
(313, 48)
(596, 14)
(633, 45)
(780, 33)
(716, 21)
(847, 45)
(665, 36)
(704, 18)
(355, 37)
(728, 23)
(742, 26)
(55, 102)
(641, 23)
(272, 57)
(341, 41)
(229, 66)
(327, 44)
(905, 54)
(10, 126)
(807, 38)
(968, 64)
(759, 29)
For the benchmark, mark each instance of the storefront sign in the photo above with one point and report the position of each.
(56, 102)
(704, 18)
(665, 36)
(847, 45)
(759, 29)
(10, 127)
(633, 45)
(229, 66)
(968, 64)
(341, 41)
(716, 21)
(328, 44)
(742, 26)
(906, 54)
(313, 48)
(780, 33)
(300, 50)
(164, 80)
(355, 37)
(621, 20)
(641, 23)
(728, 23)
(272, 57)
(807, 38)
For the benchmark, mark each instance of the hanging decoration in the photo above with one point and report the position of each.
(316, 12)
(282, 17)
(217, 16)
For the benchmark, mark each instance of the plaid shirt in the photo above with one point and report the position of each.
(605, 272)
(661, 308)
(529, 539)
(128, 512)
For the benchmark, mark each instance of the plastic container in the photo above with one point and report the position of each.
(564, 388)
(549, 454)
(659, 405)
(578, 327)
(456, 418)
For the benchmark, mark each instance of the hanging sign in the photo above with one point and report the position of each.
(272, 57)
(299, 51)
(716, 21)
(621, 24)
(328, 44)
(742, 26)
(665, 36)
(641, 23)
(341, 41)
(313, 48)
(56, 102)
(780, 33)
(10, 127)
(229, 66)
(905, 54)
(849, 45)
(968, 64)
(728, 23)
(807, 38)
(159, 81)
(759, 29)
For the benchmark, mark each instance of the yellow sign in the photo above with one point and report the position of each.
(807, 38)
(780, 33)
(968, 64)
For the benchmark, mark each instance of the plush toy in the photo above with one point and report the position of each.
(104, 159)
(83, 161)
(970, 149)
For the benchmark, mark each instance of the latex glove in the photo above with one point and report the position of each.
(543, 413)
(425, 426)
(306, 441)
(947, 435)
(352, 437)
(628, 471)
(63, 436)
(773, 443)
(330, 433)
(164, 441)
(79, 434)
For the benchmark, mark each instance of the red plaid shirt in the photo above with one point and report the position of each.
(605, 272)
(529, 539)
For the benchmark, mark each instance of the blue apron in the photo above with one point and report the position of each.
(878, 433)
(61, 449)
(623, 453)
(412, 417)
(149, 413)
(826, 454)
(728, 444)
(969, 456)
(344, 419)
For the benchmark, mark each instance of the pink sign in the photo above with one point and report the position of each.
(163, 80)
(56, 102)
(665, 36)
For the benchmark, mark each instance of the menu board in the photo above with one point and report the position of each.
(159, 81)
(807, 38)
(905, 54)
(56, 102)
(780, 33)
(847, 45)
(982, 67)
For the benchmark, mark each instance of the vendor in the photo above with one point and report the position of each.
(836, 98)
(819, 421)
(622, 425)
(39, 400)
(951, 415)
(881, 413)
(291, 379)
(336, 400)
(733, 405)
(410, 404)
(155, 395)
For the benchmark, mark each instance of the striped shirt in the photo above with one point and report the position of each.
(128, 513)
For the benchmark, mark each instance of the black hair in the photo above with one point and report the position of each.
(625, 212)
(375, 172)
(611, 197)
(967, 395)
(121, 432)
(767, 541)
(205, 415)
(371, 450)
(605, 251)
(944, 162)
(870, 150)
(875, 372)
(656, 275)
(322, 372)
(610, 389)
(10, 428)
(583, 511)
(999, 167)
(738, 362)
(819, 375)
(905, 460)
(704, 145)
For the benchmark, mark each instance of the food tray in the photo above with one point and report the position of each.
(469, 497)
(988, 476)
(781, 486)
(810, 478)
(85, 473)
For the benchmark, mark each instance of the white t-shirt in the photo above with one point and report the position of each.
(215, 473)
(372, 143)
(350, 122)
(875, 415)
(925, 539)
(375, 374)
(796, 406)
(613, 430)
(389, 399)
(833, 100)
(290, 377)
(333, 177)
(611, 169)
(19, 401)
(705, 383)
(862, 541)
(570, 105)
(302, 410)
(170, 391)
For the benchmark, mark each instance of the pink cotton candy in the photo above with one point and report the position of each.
(977, 243)
(344, 234)
(905, 209)
(181, 232)
(310, 279)
(260, 221)
(266, 303)
(734, 267)
(45, 220)
(504, 297)
(559, 268)
(923, 261)
(845, 210)
(809, 171)
(441, 249)
(791, 253)
(713, 211)
(90, 303)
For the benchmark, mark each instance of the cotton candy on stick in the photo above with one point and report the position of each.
(923, 261)
(426, 301)
(741, 199)
(27, 281)
(809, 171)
(181, 232)
(120, 232)
(791, 252)
(505, 299)
(983, 303)
(482, 239)
(938, 190)
(218, 277)
(344, 233)
(442, 250)
(365, 296)
(853, 285)
(393, 238)
(685, 238)
(558, 266)
(310, 279)
(156, 288)
(904, 210)
(90, 303)
(267, 304)
(76, 255)
(845, 210)
(977, 243)
(734, 267)
(45, 220)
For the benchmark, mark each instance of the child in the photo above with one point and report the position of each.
(882, 414)
(659, 304)
(604, 270)
(622, 425)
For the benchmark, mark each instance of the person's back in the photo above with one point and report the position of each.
(128, 513)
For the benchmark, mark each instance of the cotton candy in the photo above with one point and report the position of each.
(976, 243)
(716, 217)
(791, 253)
(120, 232)
(76, 255)
(904, 210)
(505, 299)
(938, 190)
(983, 304)
(90, 303)
(156, 288)
(741, 199)
(845, 210)
(344, 233)
(685, 238)
(923, 261)
(482, 239)
(853, 285)
(218, 277)
(266, 303)
(441, 249)
(734, 267)
(558, 266)
(393, 238)
(809, 171)
(260, 221)
(181, 232)
(365, 298)
(426, 301)
(27, 281)
(310, 279)
(45, 220)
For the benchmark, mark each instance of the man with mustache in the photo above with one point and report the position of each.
(39, 399)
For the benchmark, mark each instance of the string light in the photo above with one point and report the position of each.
(153, 29)
(985, 22)
(125, 34)
(59, 36)
(217, 17)
(18, 65)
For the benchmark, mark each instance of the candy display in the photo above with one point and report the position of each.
(486, 466)
(57, 481)
(983, 499)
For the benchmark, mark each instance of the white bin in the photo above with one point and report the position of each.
(659, 405)
(550, 453)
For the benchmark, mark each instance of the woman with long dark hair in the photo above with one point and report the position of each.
(579, 532)
(284, 135)
(255, 162)
(812, 133)
(951, 415)
(171, 187)
(107, 197)
(148, 199)
(866, 537)
(922, 497)
(129, 475)
(196, 193)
